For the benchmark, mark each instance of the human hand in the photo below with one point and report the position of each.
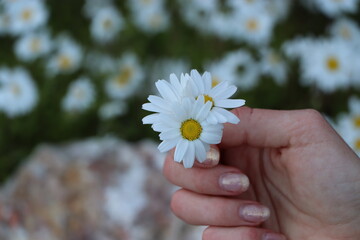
(297, 166)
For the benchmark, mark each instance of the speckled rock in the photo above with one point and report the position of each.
(98, 189)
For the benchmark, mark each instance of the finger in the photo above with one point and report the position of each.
(233, 233)
(271, 128)
(219, 180)
(198, 209)
(212, 158)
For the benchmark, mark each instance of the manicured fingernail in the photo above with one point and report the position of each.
(234, 182)
(254, 213)
(212, 157)
(273, 236)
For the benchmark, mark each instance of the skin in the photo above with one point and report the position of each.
(298, 167)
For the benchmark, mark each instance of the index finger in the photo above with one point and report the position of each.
(272, 128)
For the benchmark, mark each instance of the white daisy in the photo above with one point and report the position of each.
(18, 93)
(335, 8)
(254, 27)
(26, 16)
(106, 24)
(188, 130)
(112, 109)
(328, 64)
(126, 79)
(244, 71)
(348, 127)
(32, 45)
(80, 95)
(67, 57)
(347, 30)
(171, 93)
(217, 96)
(152, 19)
(273, 65)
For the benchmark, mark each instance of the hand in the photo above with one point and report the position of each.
(297, 166)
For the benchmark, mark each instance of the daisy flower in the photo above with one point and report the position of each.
(32, 45)
(189, 131)
(335, 8)
(26, 16)
(126, 79)
(67, 57)
(347, 30)
(217, 96)
(80, 95)
(189, 114)
(273, 64)
(327, 64)
(106, 23)
(18, 93)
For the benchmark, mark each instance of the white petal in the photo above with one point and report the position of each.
(173, 133)
(225, 92)
(203, 112)
(160, 127)
(167, 145)
(165, 90)
(210, 137)
(231, 118)
(159, 102)
(230, 103)
(220, 118)
(150, 119)
(175, 81)
(200, 151)
(189, 157)
(181, 149)
(211, 118)
(218, 89)
(151, 107)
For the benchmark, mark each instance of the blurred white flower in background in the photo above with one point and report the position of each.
(33, 45)
(4, 23)
(347, 30)
(18, 93)
(273, 65)
(112, 109)
(126, 79)
(106, 24)
(91, 7)
(334, 8)
(80, 95)
(149, 15)
(67, 56)
(327, 64)
(25, 15)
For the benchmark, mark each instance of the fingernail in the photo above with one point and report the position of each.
(254, 213)
(212, 157)
(273, 236)
(234, 182)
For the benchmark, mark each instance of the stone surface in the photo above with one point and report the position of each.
(98, 189)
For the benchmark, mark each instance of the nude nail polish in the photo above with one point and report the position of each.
(234, 182)
(254, 213)
(212, 157)
(273, 236)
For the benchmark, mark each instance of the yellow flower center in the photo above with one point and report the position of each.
(26, 15)
(214, 81)
(35, 45)
(190, 129)
(16, 89)
(332, 64)
(124, 77)
(107, 24)
(64, 62)
(356, 121)
(252, 25)
(357, 144)
(345, 32)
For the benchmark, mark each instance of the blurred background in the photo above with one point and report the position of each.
(76, 162)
